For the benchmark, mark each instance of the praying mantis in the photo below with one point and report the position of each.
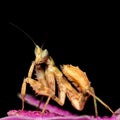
(71, 81)
(65, 78)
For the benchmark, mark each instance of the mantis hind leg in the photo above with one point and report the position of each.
(91, 92)
(95, 102)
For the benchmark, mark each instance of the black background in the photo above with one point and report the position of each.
(85, 38)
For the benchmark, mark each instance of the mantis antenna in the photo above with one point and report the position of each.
(20, 29)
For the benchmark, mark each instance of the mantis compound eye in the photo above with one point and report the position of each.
(44, 54)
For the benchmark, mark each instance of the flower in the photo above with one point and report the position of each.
(52, 113)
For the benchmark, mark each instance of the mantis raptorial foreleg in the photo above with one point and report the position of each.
(39, 90)
(40, 57)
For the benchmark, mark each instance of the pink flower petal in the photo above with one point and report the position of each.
(35, 115)
(51, 113)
